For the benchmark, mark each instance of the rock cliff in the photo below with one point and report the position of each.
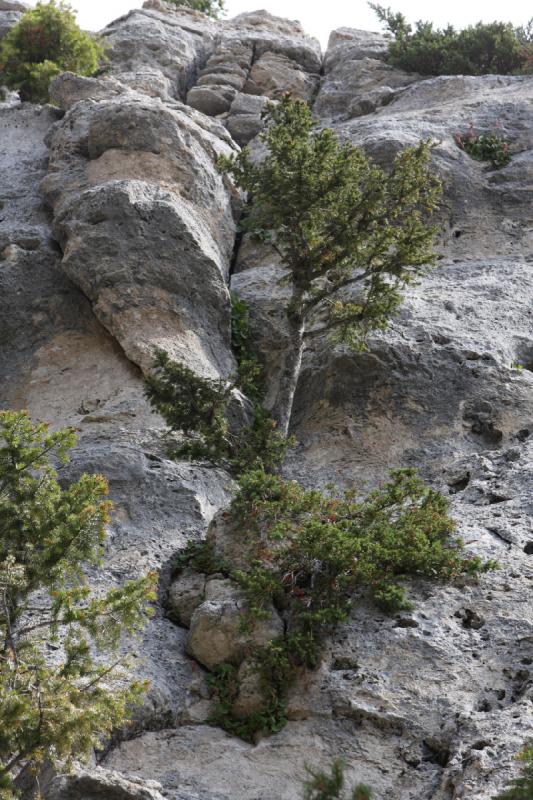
(118, 234)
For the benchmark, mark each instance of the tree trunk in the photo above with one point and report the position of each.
(282, 409)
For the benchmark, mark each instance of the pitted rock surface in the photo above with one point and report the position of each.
(132, 244)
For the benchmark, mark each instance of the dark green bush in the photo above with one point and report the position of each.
(46, 42)
(521, 788)
(193, 405)
(213, 8)
(250, 376)
(496, 48)
(312, 553)
(322, 786)
(197, 407)
(485, 147)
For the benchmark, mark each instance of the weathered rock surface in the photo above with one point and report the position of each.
(215, 635)
(137, 252)
(10, 13)
(135, 181)
(102, 784)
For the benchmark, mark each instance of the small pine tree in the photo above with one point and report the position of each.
(198, 408)
(213, 8)
(322, 786)
(190, 404)
(58, 697)
(495, 48)
(46, 42)
(338, 221)
(521, 788)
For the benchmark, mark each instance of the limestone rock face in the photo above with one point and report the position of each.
(258, 55)
(133, 244)
(215, 636)
(10, 13)
(133, 181)
(99, 783)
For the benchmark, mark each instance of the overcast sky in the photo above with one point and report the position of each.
(319, 17)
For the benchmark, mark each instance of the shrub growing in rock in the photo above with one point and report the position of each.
(521, 788)
(310, 553)
(57, 697)
(46, 42)
(485, 147)
(198, 407)
(496, 48)
(339, 222)
(213, 8)
(324, 786)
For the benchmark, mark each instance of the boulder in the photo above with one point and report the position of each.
(216, 635)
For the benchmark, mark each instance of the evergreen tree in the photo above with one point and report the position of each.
(495, 48)
(339, 222)
(46, 42)
(59, 694)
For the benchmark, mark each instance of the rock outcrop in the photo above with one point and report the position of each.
(132, 244)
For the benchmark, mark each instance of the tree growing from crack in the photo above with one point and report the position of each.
(351, 235)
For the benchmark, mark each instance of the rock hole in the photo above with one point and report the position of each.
(528, 549)
(460, 484)
(436, 752)
(523, 434)
(480, 745)
(457, 234)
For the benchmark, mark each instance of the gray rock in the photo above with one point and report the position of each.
(98, 783)
(186, 593)
(357, 79)
(175, 43)
(125, 162)
(215, 634)
(211, 100)
(11, 12)
(441, 697)
(244, 120)
(274, 74)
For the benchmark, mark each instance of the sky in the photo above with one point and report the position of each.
(319, 17)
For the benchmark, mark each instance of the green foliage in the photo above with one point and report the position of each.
(191, 404)
(46, 42)
(250, 377)
(322, 786)
(337, 219)
(55, 707)
(485, 147)
(521, 788)
(198, 408)
(313, 552)
(496, 48)
(199, 556)
(213, 8)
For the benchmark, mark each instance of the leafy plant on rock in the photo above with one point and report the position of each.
(46, 42)
(198, 408)
(59, 692)
(324, 786)
(339, 223)
(521, 788)
(495, 48)
(213, 8)
(485, 147)
(250, 375)
(313, 552)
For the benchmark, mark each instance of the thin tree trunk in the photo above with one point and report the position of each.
(282, 409)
